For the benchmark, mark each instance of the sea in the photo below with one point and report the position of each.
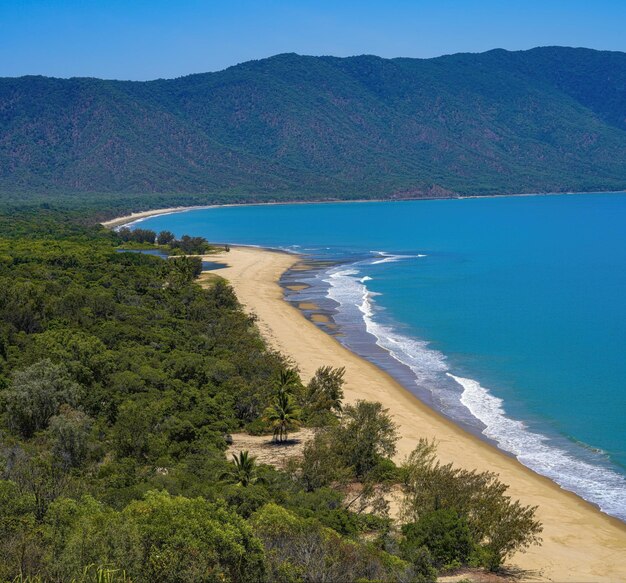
(505, 314)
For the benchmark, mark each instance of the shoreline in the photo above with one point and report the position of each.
(141, 215)
(580, 542)
(381, 342)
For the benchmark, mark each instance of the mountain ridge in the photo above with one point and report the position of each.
(550, 119)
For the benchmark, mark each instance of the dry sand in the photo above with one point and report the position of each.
(119, 221)
(579, 542)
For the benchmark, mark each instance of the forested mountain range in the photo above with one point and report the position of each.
(544, 120)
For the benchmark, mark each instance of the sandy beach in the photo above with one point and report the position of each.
(126, 219)
(580, 543)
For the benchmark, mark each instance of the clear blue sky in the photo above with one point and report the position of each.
(139, 39)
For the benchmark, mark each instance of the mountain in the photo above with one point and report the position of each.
(547, 119)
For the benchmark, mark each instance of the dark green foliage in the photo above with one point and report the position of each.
(283, 415)
(444, 533)
(324, 394)
(35, 395)
(19, 539)
(323, 463)
(548, 119)
(119, 375)
(244, 470)
(497, 524)
(368, 436)
(70, 436)
(137, 235)
(183, 270)
(189, 245)
(423, 569)
(165, 237)
(358, 449)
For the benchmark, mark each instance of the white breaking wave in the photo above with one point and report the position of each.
(598, 484)
(391, 258)
(348, 290)
(594, 482)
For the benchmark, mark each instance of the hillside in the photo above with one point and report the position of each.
(548, 119)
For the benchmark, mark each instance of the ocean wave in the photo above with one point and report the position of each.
(589, 478)
(392, 258)
(348, 290)
(595, 483)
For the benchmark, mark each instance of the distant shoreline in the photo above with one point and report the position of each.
(141, 215)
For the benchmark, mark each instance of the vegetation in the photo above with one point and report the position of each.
(244, 470)
(186, 245)
(296, 127)
(282, 416)
(121, 382)
(457, 512)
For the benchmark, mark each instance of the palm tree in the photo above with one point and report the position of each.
(283, 416)
(287, 381)
(244, 470)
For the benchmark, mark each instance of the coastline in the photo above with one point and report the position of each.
(132, 217)
(138, 216)
(580, 542)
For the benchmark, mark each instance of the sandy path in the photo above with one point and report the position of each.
(580, 543)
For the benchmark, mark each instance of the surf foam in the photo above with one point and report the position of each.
(593, 481)
(391, 258)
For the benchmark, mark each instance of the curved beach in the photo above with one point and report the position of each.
(580, 543)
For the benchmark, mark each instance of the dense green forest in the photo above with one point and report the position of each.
(295, 127)
(122, 381)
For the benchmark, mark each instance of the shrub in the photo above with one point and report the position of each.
(498, 525)
(161, 538)
(444, 533)
(36, 394)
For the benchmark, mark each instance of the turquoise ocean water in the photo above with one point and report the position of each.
(506, 314)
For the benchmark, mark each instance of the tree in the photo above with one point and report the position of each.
(183, 270)
(498, 525)
(36, 394)
(367, 434)
(20, 544)
(38, 475)
(190, 245)
(283, 416)
(186, 539)
(358, 451)
(165, 237)
(244, 469)
(446, 535)
(322, 463)
(325, 390)
(70, 434)
(161, 538)
(136, 235)
(288, 381)
(301, 549)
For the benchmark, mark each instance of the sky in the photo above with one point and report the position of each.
(140, 40)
